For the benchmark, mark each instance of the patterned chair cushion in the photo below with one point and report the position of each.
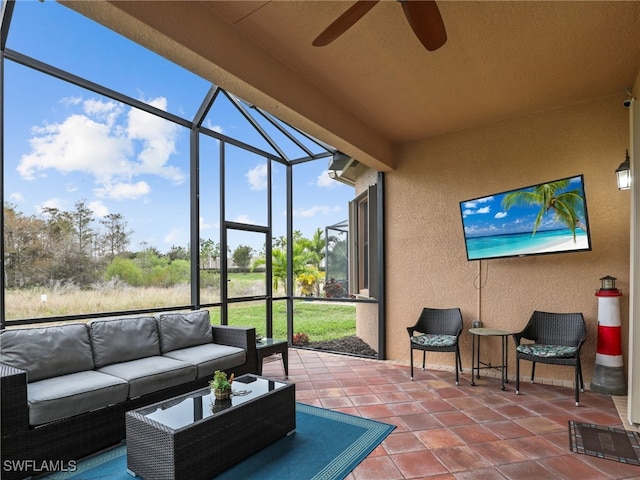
(539, 350)
(433, 340)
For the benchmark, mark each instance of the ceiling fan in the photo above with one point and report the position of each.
(423, 16)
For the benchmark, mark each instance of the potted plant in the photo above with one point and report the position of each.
(221, 385)
(220, 405)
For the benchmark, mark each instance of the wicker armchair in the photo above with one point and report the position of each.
(557, 339)
(438, 331)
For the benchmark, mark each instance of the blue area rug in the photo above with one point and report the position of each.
(327, 445)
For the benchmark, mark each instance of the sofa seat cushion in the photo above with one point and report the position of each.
(151, 374)
(209, 358)
(67, 395)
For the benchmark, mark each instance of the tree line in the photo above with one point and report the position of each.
(72, 248)
(64, 246)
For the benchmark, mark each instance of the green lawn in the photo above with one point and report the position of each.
(320, 321)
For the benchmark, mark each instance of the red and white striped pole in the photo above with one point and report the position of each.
(608, 376)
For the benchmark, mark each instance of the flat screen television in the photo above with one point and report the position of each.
(539, 219)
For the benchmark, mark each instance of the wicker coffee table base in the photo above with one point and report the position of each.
(209, 446)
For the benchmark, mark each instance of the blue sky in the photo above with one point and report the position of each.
(486, 216)
(64, 144)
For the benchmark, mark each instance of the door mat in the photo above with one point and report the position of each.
(605, 442)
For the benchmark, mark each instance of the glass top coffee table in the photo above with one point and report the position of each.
(196, 436)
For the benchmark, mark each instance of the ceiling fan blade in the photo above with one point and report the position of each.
(344, 22)
(426, 22)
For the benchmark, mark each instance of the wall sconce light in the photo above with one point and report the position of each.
(623, 174)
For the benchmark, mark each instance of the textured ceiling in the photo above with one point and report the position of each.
(376, 86)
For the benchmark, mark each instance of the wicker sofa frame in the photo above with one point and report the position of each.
(27, 450)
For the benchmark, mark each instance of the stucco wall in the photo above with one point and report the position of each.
(367, 323)
(366, 313)
(426, 261)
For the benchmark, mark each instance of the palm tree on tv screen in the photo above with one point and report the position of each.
(551, 196)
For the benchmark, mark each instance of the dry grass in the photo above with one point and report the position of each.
(115, 296)
(321, 321)
(31, 304)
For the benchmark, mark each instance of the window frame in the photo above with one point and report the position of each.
(363, 244)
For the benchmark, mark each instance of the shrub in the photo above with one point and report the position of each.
(300, 339)
(125, 270)
(307, 282)
(333, 289)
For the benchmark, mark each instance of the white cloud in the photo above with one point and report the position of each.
(474, 203)
(79, 144)
(244, 219)
(325, 181)
(158, 137)
(207, 226)
(315, 210)
(257, 177)
(211, 126)
(500, 215)
(98, 209)
(108, 112)
(174, 236)
(71, 100)
(16, 197)
(471, 208)
(51, 203)
(107, 141)
(121, 191)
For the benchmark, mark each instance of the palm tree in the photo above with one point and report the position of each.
(315, 246)
(550, 196)
(338, 260)
(301, 259)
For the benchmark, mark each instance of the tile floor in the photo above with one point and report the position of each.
(447, 432)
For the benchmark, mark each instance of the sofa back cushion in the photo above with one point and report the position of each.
(124, 339)
(49, 351)
(182, 330)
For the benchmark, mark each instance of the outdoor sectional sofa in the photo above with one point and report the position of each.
(65, 389)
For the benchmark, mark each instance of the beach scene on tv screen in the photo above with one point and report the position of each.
(546, 218)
